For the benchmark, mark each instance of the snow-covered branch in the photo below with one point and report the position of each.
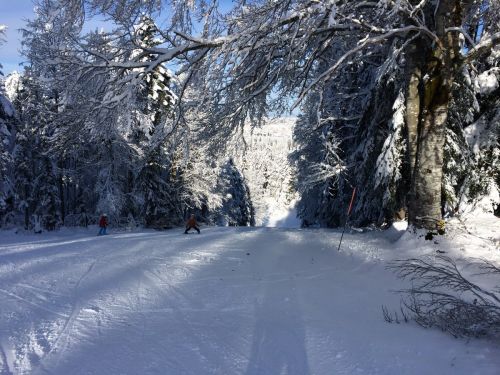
(483, 47)
(442, 296)
(361, 46)
(464, 33)
(3, 29)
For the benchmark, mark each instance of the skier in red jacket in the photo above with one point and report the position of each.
(190, 224)
(103, 224)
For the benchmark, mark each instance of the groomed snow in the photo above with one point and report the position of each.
(228, 301)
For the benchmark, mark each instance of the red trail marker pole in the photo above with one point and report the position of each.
(348, 214)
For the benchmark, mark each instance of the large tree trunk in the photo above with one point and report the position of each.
(428, 98)
(428, 171)
(426, 114)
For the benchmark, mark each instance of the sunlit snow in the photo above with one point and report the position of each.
(228, 301)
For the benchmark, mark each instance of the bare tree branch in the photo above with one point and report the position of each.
(441, 296)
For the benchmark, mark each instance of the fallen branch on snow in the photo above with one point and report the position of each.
(442, 297)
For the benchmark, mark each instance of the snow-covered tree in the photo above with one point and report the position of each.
(3, 28)
(236, 209)
(430, 35)
(277, 45)
(374, 80)
(472, 150)
(104, 157)
(7, 133)
(8, 126)
(261, 154)
(36, 188)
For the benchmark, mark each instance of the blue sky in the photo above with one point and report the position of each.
(13, 13)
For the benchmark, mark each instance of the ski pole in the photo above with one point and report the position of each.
(347, 218)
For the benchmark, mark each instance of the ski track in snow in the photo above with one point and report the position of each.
(75, 311)
(229, 301)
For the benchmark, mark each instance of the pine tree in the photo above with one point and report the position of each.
(236, 209)
(8, 126)
(377, 82)
(160, 178)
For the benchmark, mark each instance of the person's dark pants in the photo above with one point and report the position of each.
(193, 227)
(102, 231)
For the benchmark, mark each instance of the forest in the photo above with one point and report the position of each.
(339, 161)
(138, 117)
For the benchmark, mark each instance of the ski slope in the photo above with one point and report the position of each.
(228, 301)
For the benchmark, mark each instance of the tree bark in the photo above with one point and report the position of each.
(427, 114)
(428, 172)
(412, 117)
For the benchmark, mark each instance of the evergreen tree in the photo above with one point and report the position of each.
(377, 82)
(35, 181)
(236, 209)
(160, 178)
(8, 126)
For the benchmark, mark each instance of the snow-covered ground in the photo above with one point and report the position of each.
(228, 301)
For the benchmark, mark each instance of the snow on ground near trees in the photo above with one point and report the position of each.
(228, 301)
